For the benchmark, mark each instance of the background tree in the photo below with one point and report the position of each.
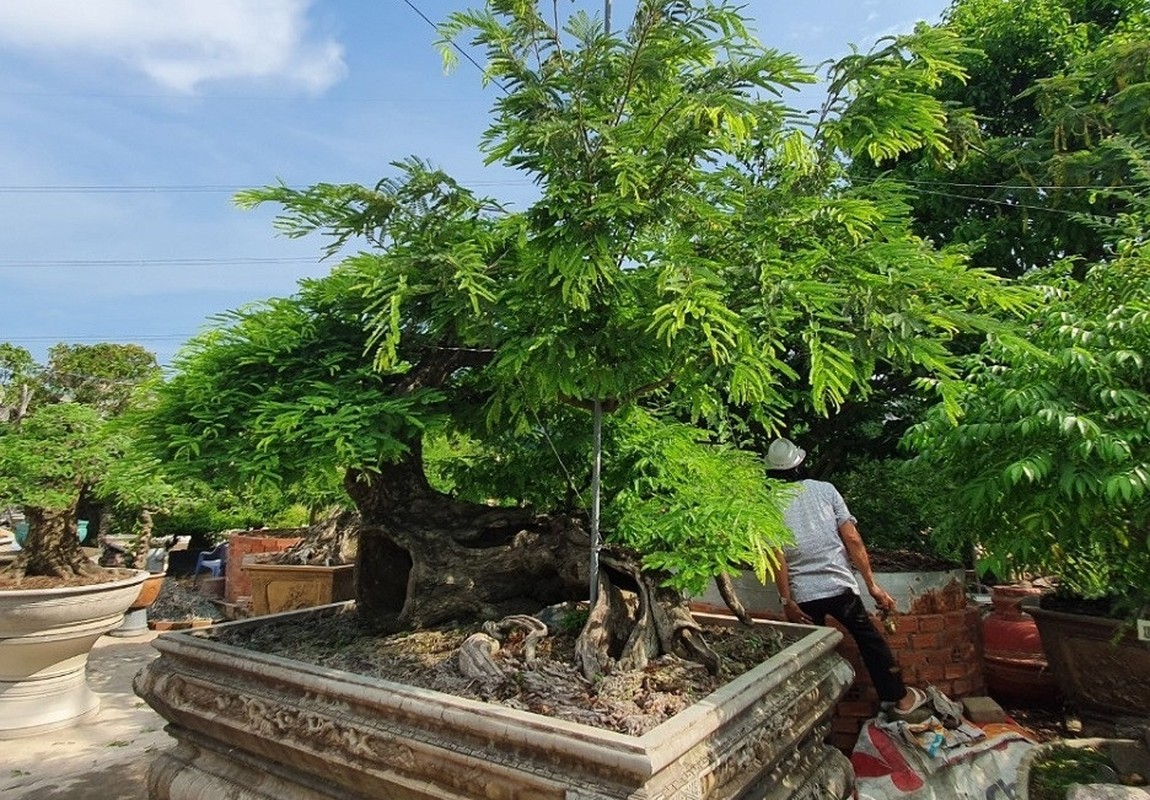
(687, 240)
(44, 465)
(1014, 183)
(17, 381)
(66, 444)
(103, 376)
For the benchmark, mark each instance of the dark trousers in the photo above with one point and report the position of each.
(850, 612)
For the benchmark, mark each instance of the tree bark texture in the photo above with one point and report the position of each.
(51, 548)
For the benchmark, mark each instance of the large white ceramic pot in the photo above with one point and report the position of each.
(45, 638)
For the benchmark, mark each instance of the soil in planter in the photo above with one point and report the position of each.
(179, 600)
(907, 561)
(629, 702)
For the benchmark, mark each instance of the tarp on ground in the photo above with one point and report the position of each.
(897, 761)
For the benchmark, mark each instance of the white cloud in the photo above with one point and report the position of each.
(181, 44)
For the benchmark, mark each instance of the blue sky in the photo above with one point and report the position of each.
(127, 125)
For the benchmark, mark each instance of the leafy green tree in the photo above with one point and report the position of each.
(44, 465)
(1019, 174)
(688, 241)
(103, 376)
(68, 442)
(1051, 459)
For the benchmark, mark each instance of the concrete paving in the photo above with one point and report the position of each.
(106, 757)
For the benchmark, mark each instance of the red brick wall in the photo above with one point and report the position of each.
(237, 584)
(937, 643)
(943, 650)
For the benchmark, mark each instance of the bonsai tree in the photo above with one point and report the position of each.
(44, 465)
(687, 237)
(63, 443)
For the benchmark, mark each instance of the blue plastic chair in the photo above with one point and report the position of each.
(213, 561)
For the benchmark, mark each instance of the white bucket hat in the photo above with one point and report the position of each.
(783, 454)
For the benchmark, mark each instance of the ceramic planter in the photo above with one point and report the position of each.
(136, 617)
(268, 727)
(1102, 668)
(289, 587)
(45, 638)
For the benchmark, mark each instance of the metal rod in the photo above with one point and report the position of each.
(596, 470)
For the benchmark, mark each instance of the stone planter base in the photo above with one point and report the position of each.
(288, 587)
(45, 638)
(264, 728)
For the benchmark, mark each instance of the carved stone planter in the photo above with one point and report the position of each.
(45, 638)
(1100, 666)
(265, 727)
(289, 587)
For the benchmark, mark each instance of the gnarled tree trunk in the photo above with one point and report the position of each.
(426, 559)
(51, 548)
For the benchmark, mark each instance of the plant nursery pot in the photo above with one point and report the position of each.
(288, 587)
(1017, 671)
(45, 638)
(282, 728)
(1100, 665)
(136, 617)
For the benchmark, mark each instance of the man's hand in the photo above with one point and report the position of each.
(881, 598)
(795, 614)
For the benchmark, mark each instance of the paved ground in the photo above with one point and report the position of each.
(104, 758)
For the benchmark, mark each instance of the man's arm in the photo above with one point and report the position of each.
(791, 609)
(856, 550)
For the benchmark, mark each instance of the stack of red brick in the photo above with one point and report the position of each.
(937, 643)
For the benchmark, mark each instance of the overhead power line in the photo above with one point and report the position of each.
(188, 189)
(149, 262)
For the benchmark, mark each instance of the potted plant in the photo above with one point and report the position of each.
(649, 290)
(317, 570)
(1051, 461)
(54, 602)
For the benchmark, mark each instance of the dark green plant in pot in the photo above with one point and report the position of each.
(1052, 458)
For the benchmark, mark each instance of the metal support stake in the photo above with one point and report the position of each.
(596, 470)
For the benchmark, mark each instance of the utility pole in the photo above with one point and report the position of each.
(607, 16)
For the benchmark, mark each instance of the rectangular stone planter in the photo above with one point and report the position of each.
(1100, 665)
(288, 587)
(261, 727)
(251, 543)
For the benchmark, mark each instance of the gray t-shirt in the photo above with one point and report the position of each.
(818, 563)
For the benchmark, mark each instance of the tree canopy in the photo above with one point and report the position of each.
(691, 245)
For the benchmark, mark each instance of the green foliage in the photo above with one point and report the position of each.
(54, 453)
(1052, 456)
(693, 508)
(103, 376)
(1048, 81)
(694, 255)
(1060, 766)
(898, 503)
